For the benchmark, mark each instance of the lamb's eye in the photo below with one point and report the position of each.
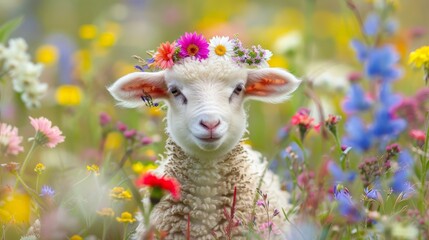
(238, 89)
(175, 91)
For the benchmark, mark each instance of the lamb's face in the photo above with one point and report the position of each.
(206, 115)
(205, 100)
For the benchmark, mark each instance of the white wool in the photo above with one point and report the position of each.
(209, 162)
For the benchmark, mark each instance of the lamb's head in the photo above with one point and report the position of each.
(205, 100)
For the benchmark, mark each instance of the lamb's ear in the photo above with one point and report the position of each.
(130, 89)
(270, 84)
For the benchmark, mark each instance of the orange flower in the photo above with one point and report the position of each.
(164, 57)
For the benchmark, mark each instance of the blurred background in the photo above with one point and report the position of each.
(90, 43)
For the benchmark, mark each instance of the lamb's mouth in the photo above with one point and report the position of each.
(209, 139)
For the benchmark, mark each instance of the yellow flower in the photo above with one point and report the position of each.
(140, 168)
(107, 39)
(126, 217)
(119, 193)
(155, 112)
(40, 168)
(113, 141)
(76, 237)
(106, 212)
(83, 59)
(15, 208)
(47, 54)
(68, 95)
(420, 57)
(88, 31)
(93, 168)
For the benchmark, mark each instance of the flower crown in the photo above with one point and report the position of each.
(193, 45)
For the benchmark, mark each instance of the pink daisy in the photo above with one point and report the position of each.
(45, 133)
(193, 45)
(164, 56)
(9, 140)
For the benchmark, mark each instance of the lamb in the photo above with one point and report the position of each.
(206, 122)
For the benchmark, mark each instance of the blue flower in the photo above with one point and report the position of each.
(358, 136)
(405, 160)
(371, 193)
(283, 133)
(385, 125)
(381, 64)
(346, 206)
(356, 100)
(400, 184)
(388, 99)
(361, 50)
(47, 191)
(339, 175)
(371, 25)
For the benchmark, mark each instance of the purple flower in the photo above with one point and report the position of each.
(371, 25)
(381, 64)
(339, 175)
(346, 206)
(47, 191)
(283, 133)
(130, 133)
(121, 126)
(104, 119)
(356, 100)
(193, 45)
(358, 136)
(293, 152)
(260, 203)
(371, 193)
(385, 125)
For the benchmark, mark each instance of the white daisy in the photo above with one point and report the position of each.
(221, 47)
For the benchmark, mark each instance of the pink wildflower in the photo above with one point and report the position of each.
(164, 56)
(9, 140)
(418, 135)
(45, 133)
(193, 45)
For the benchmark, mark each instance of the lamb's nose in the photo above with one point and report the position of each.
(210, 125)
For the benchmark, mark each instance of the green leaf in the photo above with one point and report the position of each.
(7, 28)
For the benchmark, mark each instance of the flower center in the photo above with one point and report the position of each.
(220, 50)
(192, 49)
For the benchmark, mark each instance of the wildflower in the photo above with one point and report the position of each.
(47, 191)
(130, 133)
(107, 39)
(121, 126)
(113, 141)
(338, 174)
(119, 193)
(358, 136)
(87, 31)
(401, 185)
(68, 95)
(106, 212)
(165, 55)
(47, 54)
(293, 152)
(11, 167)
(371, 193)
(381, 64)
(371, 25)
(304, 121)
(40, 168)
(283, 133)
(15, 208)
(420, 58)
(331, 123)
(193, 45)
(104, 119)
(45, 133)
(361, 50)
(419, 136)
(10, 142)
(356, 100)
(388, 99)
(93, 168)
(260, 203)
(164, 183)
(346, 206)
(76, 237)
(141, 168)
(221, 46)
(126, 217)
(385, 125)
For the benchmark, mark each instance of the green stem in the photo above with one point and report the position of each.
(425, 164)
(24, 164)
(103, 237)
(125, 232)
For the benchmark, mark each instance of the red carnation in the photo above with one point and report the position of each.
(169, 184)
